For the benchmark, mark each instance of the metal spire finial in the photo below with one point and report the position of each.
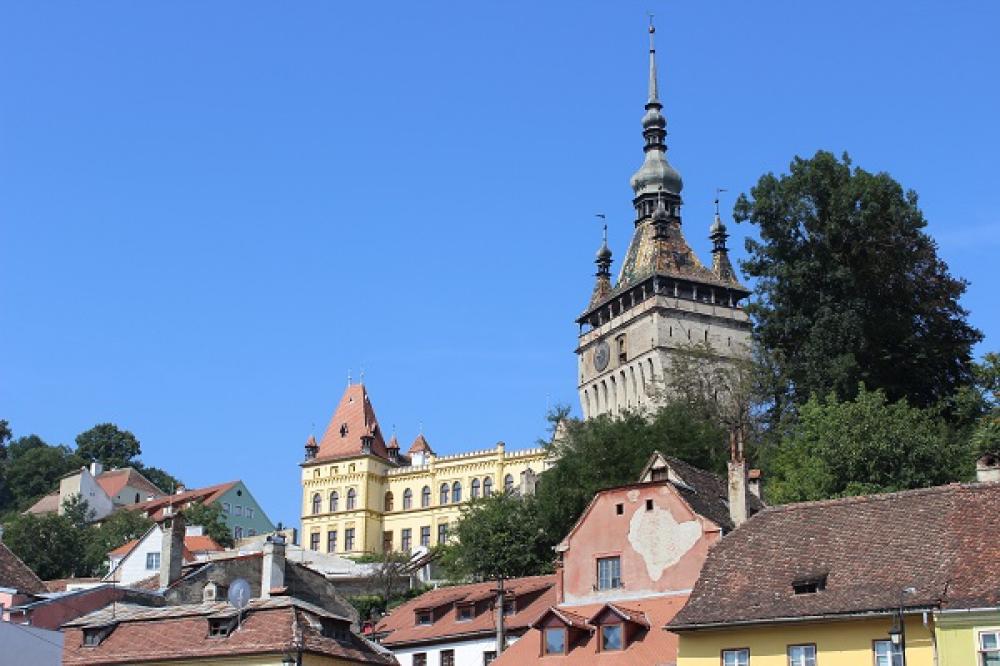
(654, 93)
(718, 191)
(348, 376)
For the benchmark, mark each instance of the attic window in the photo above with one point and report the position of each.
(343, 430)
(809, 585)
(649, 505)
(93, 636)
(220, 627)
(659, 474)
(424, 617)
(619, 509)
(466, 612)
(336, 630)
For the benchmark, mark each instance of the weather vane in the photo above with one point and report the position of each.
(718, 191)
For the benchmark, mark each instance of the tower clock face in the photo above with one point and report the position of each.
(602, 354)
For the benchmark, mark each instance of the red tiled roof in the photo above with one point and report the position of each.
(353, 418)
(420, 445)
(201, 544)
(114, 480)
(60, 584)
(862, 550)
(651, 646)
(17, 575)
(123, 549)
(154, 507)
(532, 595)
(393, 443)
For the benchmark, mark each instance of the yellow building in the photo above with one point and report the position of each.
(361, 494)
(968, 636)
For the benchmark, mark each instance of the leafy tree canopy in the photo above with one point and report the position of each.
(34, 472)
(161, 479)
(108, 444)
(5, 435)
(22, 445)
(212, 519)
(117, 529)
(49, 544)
(850, 288)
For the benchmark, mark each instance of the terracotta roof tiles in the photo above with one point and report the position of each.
(353, 419)
(114, 480)
(17, 575)
(419, 445)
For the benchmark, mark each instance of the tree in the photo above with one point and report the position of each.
(866, 445)
(497, 537)
(49, 544)
(159, 478)
(388, 578)
(108, 444)
(117, 529)
(211, 519)
(5, 435)
(850, 289)
(22, 445)
(78, 511)
(35, 471)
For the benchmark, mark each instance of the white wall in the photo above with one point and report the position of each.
(467, 653)
(30, 646)
(133, 566)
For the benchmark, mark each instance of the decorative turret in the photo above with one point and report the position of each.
(312, 448)
(721, 266)
(603, 285)
(393, 448)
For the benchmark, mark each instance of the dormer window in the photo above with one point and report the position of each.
(465, 612)
(339, 631)
(509, 606)
(555, 640)
(424, 617)
(809, 585)
(220, 627)
(94, 636)
(611, 637)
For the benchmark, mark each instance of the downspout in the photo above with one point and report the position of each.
(931, 630)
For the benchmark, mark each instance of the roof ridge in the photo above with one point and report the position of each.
(870, 497)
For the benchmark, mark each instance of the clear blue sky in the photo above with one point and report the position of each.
(210, 212)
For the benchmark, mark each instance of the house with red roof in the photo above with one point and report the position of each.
(104, 491)
(140, 558)
(243, 515)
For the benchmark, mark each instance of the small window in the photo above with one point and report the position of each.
(801, 655)
(314, 541)
(93, 636)
(509, 606)
(609, 573)
(555, 640)
(152, 561)
(388, 501)
(611, 637)
(238, 510)
(420, 659)
(887, 654)
(489, 657)
(220, 627)
(237, 532)
(508, 484)
(475, 488)
(248, 512)
(649, 505)
(387, 541)
(406, 539)
(445, 493)
(442, 533)
(317, 501)
(352, 499)
(466, 612)
(487, 486)
(334, 501)
(331, 541)
(989, 648)
(407, 499)
(225, 507)
(425, 497)
(424, 617)
(349, 540)
(809, 585)
(456, 492)
(447, 658)
(251, 532)
(619, 509)
(739, 657)
(425, 536)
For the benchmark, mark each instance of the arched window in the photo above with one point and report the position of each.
(352, 499)
(407, 499)
(334, 501)
(456, 492)
(137, 498)
(425, 497)
(445, 492)
(317, 503)
(508, 483)
(475, 488)
(388, 501)
(487, 486)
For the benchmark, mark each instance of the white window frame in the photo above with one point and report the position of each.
(805, 659)
(894, 654)
(609, 580)
(736, 657)
(153, 558)
(982, 652)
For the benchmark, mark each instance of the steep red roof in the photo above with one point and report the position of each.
(532, 595)
(353, 419)
(17, 575)
(114, 480)
(420, 445)
(123, 549)
(46, 504)
(154, 507)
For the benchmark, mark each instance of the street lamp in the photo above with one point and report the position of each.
(897, 635)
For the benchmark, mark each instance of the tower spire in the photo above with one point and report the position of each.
(654, 93)
(602, 287)
(721, 265)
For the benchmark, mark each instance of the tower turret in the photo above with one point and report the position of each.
(721, 266)
(603, 260)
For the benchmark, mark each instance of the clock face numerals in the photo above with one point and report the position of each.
(602, 354)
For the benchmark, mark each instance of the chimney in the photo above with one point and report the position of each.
(172, 550)
(988, 468)
(737, 479)
(272, 574)
(180, 489)
(528, 482)
(754, 481)
(96, 468)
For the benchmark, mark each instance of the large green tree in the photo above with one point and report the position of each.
(35, 471)
(117, 529)
(49, 544)
(849, 287)
(109, 444)
(210, 517)
(160, 478)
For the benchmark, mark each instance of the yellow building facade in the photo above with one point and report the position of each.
(362, 495)
(968, 637)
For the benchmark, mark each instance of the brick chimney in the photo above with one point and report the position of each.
(272, 574)
(737, 479)
(988, 468)
(172, 550)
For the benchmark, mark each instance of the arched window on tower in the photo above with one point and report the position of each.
(642, 380)
(334, 501)
(586, 403)
(635, 389)
(445, 492)
(487, 486)
(388, 501)
(456, 492)
(475, 488)
(352, 499)
(425, 497)
(613, 405)
(508, 484)
(317, 503)
(407, 499)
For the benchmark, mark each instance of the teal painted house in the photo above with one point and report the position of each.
(245, 517)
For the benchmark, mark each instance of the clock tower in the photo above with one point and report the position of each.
(664, 299)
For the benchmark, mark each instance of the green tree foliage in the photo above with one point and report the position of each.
(78, 511)
(5, 435)
(108, 444)
(850, 288)
(603, 452)
(497, 537)
(865, 445)
(35, 470)
(49, 544)
(117, 529)
(161, 479)
(212, 519)
(22, 445)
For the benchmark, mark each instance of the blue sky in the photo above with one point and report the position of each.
(211, 212)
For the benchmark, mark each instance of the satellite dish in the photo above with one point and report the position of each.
(239, 593)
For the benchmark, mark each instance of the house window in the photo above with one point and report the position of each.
(456, 492)
(809, 585)
(447, 658)
(420, 659)
(387, 542)
(251, 532)
(424, 617)
(609, 573)
(388, 501)
(425, 536)
(334, 501)
(349, 539)
(465, 612)
(220, 627)
(152, 561)
(509, 606)
(248, 512)
(237, 532)
(442, 533)
(314, 541)
(989, 648)
(649, 505)
(611, 637)
(425, 497)
(801, 655)
(317, 501)
(739, 657)
(887, 654)
(489, 657)
(508, 484)
(487, 486)
(445, 493)
(92, 637)
(238, 510)
(406, 539)
(555, 640)
(225, 507)
(352, 499)
(407, 499)
(331, 541)
(475, 488)
(619, 509)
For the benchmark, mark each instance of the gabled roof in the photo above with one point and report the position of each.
(114, 480)
(17, 575)
(353, 419)
(566, 616)
(45, 504)
(532, 594)
(861, 551)
(419, 445)
(207, 495)
(633, 615)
